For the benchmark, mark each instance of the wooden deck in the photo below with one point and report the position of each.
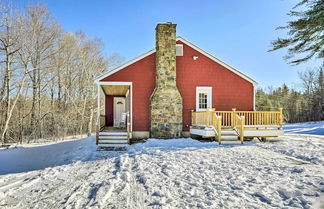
(237, 124)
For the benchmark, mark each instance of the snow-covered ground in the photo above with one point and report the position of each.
(305, 128)
(179, 173)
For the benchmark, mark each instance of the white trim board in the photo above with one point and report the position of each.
(209, 91)
(215, 59)
(254, 91)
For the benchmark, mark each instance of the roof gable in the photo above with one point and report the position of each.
(215, 59)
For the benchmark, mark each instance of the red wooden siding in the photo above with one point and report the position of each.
(228, 89)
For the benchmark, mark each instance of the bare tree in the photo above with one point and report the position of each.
(42, 32)
(115, 60)
(9, 46)
(47, 90)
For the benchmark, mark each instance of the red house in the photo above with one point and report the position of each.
(154, 94)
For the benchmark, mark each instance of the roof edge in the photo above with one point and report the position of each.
(215, 59)
(179, 38)
(110, 72)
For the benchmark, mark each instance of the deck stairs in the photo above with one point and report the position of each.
(113, 139)
(229, 134)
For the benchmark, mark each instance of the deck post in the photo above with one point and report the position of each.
(207, 117)
(233, 117)
(219, 129)
(280, 117)
(98, 111)
(242, 129)
(97, 134)
(254, 118)
(192, 119)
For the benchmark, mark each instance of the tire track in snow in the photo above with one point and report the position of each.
(52, 188)
(126, 192)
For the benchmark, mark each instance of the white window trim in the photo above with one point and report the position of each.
(209, 91)
(181, 50)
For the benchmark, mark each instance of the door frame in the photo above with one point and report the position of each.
(130, 84)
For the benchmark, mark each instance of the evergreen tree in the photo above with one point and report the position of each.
(305, 34)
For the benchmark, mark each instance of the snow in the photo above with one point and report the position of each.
(27, 157)
(316, 128)
(177, 173)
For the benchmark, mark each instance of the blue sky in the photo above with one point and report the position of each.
(236, 31)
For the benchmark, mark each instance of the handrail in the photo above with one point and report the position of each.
(101, 122)
(97, 129)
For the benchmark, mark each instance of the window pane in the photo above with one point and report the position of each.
(202, 100)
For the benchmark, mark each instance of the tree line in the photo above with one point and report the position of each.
(298, 106)
(46, 74)
(46, 77)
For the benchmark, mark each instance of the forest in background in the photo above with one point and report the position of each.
(46, 77)
(298, 106)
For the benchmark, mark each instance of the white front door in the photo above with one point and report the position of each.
(119, 108)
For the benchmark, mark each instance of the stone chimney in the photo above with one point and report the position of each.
(166, 101)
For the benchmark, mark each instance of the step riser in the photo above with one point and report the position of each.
(113, 145)
(113, 137)
(112, 134)
(113, 141)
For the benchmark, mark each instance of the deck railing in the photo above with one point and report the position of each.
(101, 122)
(262, 117)
(198, 118)
(228, 118)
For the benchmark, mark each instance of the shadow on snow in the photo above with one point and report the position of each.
(24, 159)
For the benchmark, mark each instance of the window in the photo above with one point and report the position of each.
(179, 50)
(202, 101)
(203, 98)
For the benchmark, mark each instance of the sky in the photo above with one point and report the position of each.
(238, 32)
